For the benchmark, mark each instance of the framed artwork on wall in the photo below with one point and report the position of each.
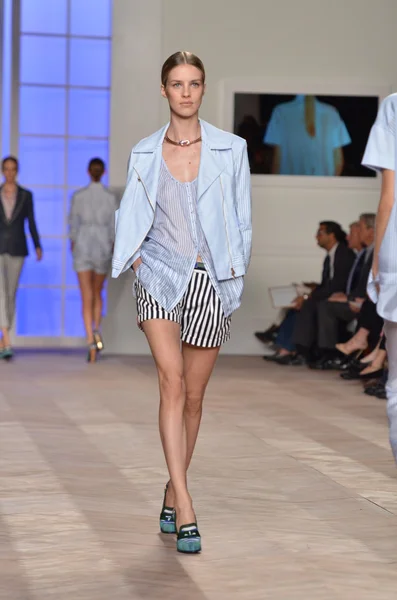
(302, 131)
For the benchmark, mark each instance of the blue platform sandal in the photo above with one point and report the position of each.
(6, 353)
(189, 539)
(167, 516)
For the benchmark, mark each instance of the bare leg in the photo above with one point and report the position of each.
(198, 364)
(86, 283)
(99, 280)
(164, 341)
(6, 341)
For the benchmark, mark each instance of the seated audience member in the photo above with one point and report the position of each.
(344, 307)
(300, 325)
(269, 336)
(354, 238)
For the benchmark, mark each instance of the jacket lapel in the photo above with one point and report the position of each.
(148, 154)
(209, 170)
(2, 213)
(211, 165)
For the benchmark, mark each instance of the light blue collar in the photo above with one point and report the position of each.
(213, 138)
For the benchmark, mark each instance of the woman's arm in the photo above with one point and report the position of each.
(74, 221)
(383, 214)
(33, 228)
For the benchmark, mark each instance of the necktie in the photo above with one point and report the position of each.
(355, 272)
(327, 269)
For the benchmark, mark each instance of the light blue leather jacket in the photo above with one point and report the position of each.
(223, 200)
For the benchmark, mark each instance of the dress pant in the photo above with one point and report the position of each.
(330, 315)
(305, 329)
(284, 336)
(10, 271)
(391, 386)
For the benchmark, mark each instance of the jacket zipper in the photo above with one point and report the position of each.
(147, 196)
(227, 234)
(144, 187)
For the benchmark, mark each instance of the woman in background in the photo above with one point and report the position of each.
(91, 222)
(16, 206)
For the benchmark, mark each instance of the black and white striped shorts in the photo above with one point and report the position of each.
(199, 313)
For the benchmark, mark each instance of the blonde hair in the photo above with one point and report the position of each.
(181, 58)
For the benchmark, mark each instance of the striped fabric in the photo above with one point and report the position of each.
(199, 313)
(171, 248)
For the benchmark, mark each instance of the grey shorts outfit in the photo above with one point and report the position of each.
(91, 222)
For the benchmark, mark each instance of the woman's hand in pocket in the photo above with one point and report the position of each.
(375, 273)
(136, 264)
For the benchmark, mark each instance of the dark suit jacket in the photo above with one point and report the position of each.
(12, 233)
(360, 288)
(344, 259)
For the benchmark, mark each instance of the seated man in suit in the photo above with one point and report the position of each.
(345, 307)
(301, 322)
(270, 335)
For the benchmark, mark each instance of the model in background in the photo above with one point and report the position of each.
(91, 222)
(184, 225)
(380, 154)
(16, 206)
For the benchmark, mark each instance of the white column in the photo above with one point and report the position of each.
(135, 113)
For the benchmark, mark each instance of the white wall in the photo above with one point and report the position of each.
(350, 43)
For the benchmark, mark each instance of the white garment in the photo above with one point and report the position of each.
(380, 154)
(391, 387)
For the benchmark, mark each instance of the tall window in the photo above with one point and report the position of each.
(63, 92)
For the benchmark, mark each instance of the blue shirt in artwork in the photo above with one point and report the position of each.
(301, 153)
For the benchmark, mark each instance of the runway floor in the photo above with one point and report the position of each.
(293, 481)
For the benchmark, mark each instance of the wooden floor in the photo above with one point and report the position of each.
(293, 481)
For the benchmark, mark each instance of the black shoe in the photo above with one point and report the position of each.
(322, 364)
(357, 376)
(353, 372)
(298, 360)
(353, 364)
(286, 359)
(374, 375)
(381, 394)
(373, 390)
(269, 336)
(270, 357)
